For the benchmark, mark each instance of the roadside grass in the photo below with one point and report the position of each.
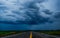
(6, 33)
(51, 32)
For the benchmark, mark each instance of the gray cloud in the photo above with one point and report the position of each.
(28, 12)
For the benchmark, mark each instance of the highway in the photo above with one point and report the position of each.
(33, 35)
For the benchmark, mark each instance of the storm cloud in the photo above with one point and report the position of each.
(28, 11)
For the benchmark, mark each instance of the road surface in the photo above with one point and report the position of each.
(34, 35)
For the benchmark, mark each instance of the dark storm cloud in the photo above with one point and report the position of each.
(28, 12)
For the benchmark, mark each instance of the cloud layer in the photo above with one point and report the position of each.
(25, 11)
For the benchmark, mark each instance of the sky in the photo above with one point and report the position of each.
(29, 14)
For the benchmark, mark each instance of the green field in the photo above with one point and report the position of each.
(50, 32)
(5, 33)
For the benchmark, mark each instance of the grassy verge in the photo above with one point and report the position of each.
(51, 32)
(6, 33)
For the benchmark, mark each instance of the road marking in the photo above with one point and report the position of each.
(30, 34)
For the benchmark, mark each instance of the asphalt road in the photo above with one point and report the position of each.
(34, 35)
